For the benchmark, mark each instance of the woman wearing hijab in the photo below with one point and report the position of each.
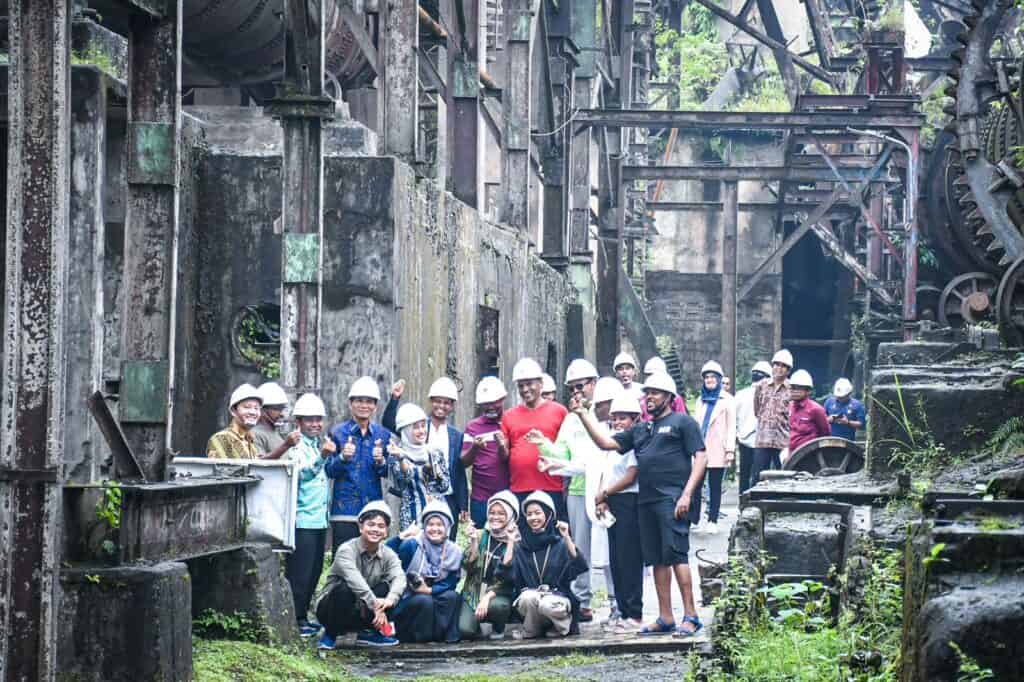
(541, 567)
(486, 597)
(716, 414)
(429, 609)
(419, 472)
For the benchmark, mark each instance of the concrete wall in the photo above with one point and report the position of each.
(405, 269)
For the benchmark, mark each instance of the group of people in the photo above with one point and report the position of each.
(611, 483)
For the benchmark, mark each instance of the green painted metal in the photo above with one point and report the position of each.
(522, 22)
(301, 258)
(466, 79)
(584, 34)
(143, 396)
(151, 158)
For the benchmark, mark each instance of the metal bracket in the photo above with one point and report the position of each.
(294, 105)
(13, 474)
(143, 397)
(151, 158)
(301, 258)
(126, 466)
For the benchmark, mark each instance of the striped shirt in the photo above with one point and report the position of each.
(771, 407)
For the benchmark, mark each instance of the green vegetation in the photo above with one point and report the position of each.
(768, 95)
(890, 18)
(94, 56)
(109, 507)
(935, 118)
(695, 58)
(1008, 438)
(234, 626)
(227, 661)
(970, 670)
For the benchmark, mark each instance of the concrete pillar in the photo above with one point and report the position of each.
(401, 78)
(151, 236)
(31, 430)
(730, 220)
(301, 105)
(464, 111)
(516, 104)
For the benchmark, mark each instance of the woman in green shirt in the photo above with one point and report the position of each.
(486, 598)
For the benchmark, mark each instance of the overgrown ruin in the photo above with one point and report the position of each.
(200, 193)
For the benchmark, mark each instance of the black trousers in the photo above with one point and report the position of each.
(341, 612)
(303, 567)
(714, 477)
(746, 464)
(561, 509)
(764, 459)
(342, 532)
(624, 555)
(429, 617)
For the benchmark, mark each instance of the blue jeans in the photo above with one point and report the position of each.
(478, 513)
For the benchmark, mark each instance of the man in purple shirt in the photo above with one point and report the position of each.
(489, 461)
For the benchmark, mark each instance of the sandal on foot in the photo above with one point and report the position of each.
(695, 622)
(660, 627)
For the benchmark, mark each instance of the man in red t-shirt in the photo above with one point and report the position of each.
(535, 413)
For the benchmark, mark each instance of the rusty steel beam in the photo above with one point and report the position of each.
(465, 73)
(730, 120)
(38, 194)
(735, 173)
(783, 57)
(151, 236)
(821, 30)
(516, 106)
(743, 206)
(730, 243)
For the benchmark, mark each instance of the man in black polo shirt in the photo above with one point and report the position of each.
(671, 461)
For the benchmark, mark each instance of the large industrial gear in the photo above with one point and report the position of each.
(1010, 304)
(828, 456)
(984, 186)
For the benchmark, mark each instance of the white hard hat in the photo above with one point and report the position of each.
(626, 403)
(308, 405)
(580, 369)
(655, 364)
(508, 498)
(762, 367)
(527, 368)
(623, 359)
(244, 392)
(540, 497)
(490, 389)
(443, 388)
(409, 413)
(661, 381)
(375, 506)
(272, 394)
(436, 507)
(364, 387)
(783, 357)
(842, 388)
(801, 379)
(547, 384)
(712, 366)
(606, 389)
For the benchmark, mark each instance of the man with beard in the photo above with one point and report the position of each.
(443, 395)
(488, 452)
(235, 441)
(534, 413)
(670, 462)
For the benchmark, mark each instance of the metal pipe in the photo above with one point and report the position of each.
(427, 22)
(910, 245)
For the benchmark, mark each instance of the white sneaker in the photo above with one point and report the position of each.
(698, 528)
(711, 528)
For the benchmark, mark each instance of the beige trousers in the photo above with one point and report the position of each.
(538, 610)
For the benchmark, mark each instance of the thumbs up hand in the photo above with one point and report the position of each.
(378, 453)
(349, 451)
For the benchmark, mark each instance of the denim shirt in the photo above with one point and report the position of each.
(356, 481)
(313, 498)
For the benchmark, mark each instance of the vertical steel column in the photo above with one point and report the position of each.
(516, 104)
(464, 93)
(151, 235)
(730, 220)
(556, 144)
(584, 34)
(301, 106)
(401, 77)
(33, 371)
(913, 234)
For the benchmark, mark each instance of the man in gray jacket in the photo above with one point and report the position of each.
(365, 582)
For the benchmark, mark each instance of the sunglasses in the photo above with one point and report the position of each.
(578, 388)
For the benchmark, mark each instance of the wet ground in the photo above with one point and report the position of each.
(593, 655)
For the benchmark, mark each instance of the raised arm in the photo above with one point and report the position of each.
(596, 433)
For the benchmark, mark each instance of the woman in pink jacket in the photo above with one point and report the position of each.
(716, 414)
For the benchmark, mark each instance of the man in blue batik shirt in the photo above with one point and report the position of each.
(359, 463)
(845, 413)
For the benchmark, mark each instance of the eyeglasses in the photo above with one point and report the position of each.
(578, 388)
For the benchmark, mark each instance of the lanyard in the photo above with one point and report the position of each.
(540, 571)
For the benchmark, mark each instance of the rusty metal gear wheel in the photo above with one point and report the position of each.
(1010, 304)
(828, 456)
(968, 299)
(985, 188)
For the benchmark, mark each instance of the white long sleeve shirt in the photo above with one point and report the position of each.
(746, 422)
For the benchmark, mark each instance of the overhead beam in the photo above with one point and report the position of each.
(731, 120)
(735, 173)
(821, 30)
(783, 57)
(743, 206)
